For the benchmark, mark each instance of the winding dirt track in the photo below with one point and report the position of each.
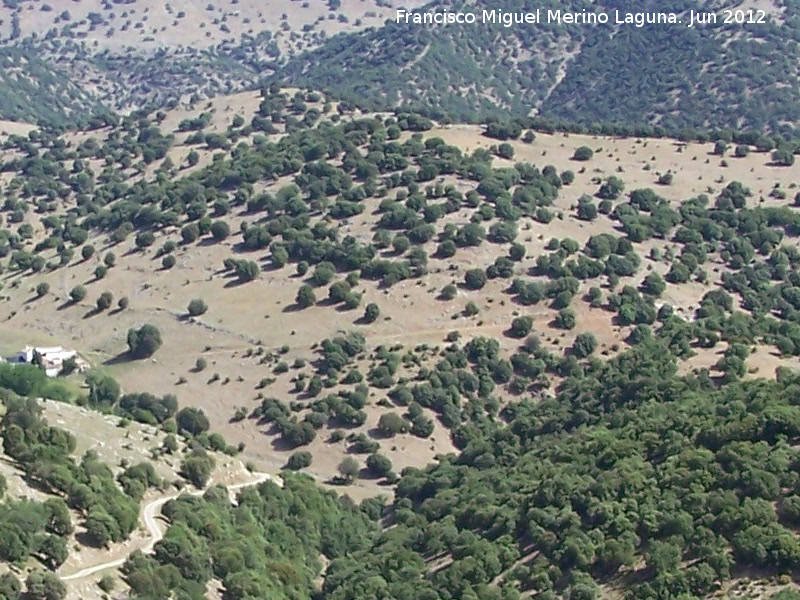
(155, 530)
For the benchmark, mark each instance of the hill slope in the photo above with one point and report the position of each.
(590, 339)
(722, 75)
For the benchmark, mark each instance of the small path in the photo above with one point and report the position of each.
(150, 517)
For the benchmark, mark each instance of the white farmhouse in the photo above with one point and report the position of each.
(51, 358)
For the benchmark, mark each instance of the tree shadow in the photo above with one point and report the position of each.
(121, 358)
(281, 445)
(377, 434)
(84, 539)
(366, 473)
(294, 307)
(236, 283)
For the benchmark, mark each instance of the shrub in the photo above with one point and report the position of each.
(123, 302)
(783, 157)
(105, 300)
(192, 421)
(42, 289)
(521, 326)
(583, 153)
(584, 345)
(299, 460)
(379, 464)
(168, 261)
(305, 296)
(565, 319)
(475, 279)
(371, 313)
(42, 585)
(190, 233)
(144, 342)
(448, 292)
(246, 270)
(220, 230)
(349, 469)
(145, 239)
(107, 583)
(197, 469)
(100, 271)
(197, 307)
(391, 424)
(78, 293)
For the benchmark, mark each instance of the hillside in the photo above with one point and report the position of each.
(530, 344)
(86, 58)
(740, 76)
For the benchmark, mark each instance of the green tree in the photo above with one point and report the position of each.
(305, 296)
(521, 326)
(103, 389)
(104, 300)
(220, 230)
(391, 423)
(611, 188)
(192, 420)
(379, 465)
(78, 294)
(566, 319)
(653, 285)
(144, 342)
(583, 153)
(53, 550)
(197, 469)
(783, 157)
(299, 460)
(371, 313)
(196, 307)
(10, 587)
(475, 279)
(349, 469)
(145, 239)
(584, 344)
(41, 585)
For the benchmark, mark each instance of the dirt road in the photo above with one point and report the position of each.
(150, 518)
